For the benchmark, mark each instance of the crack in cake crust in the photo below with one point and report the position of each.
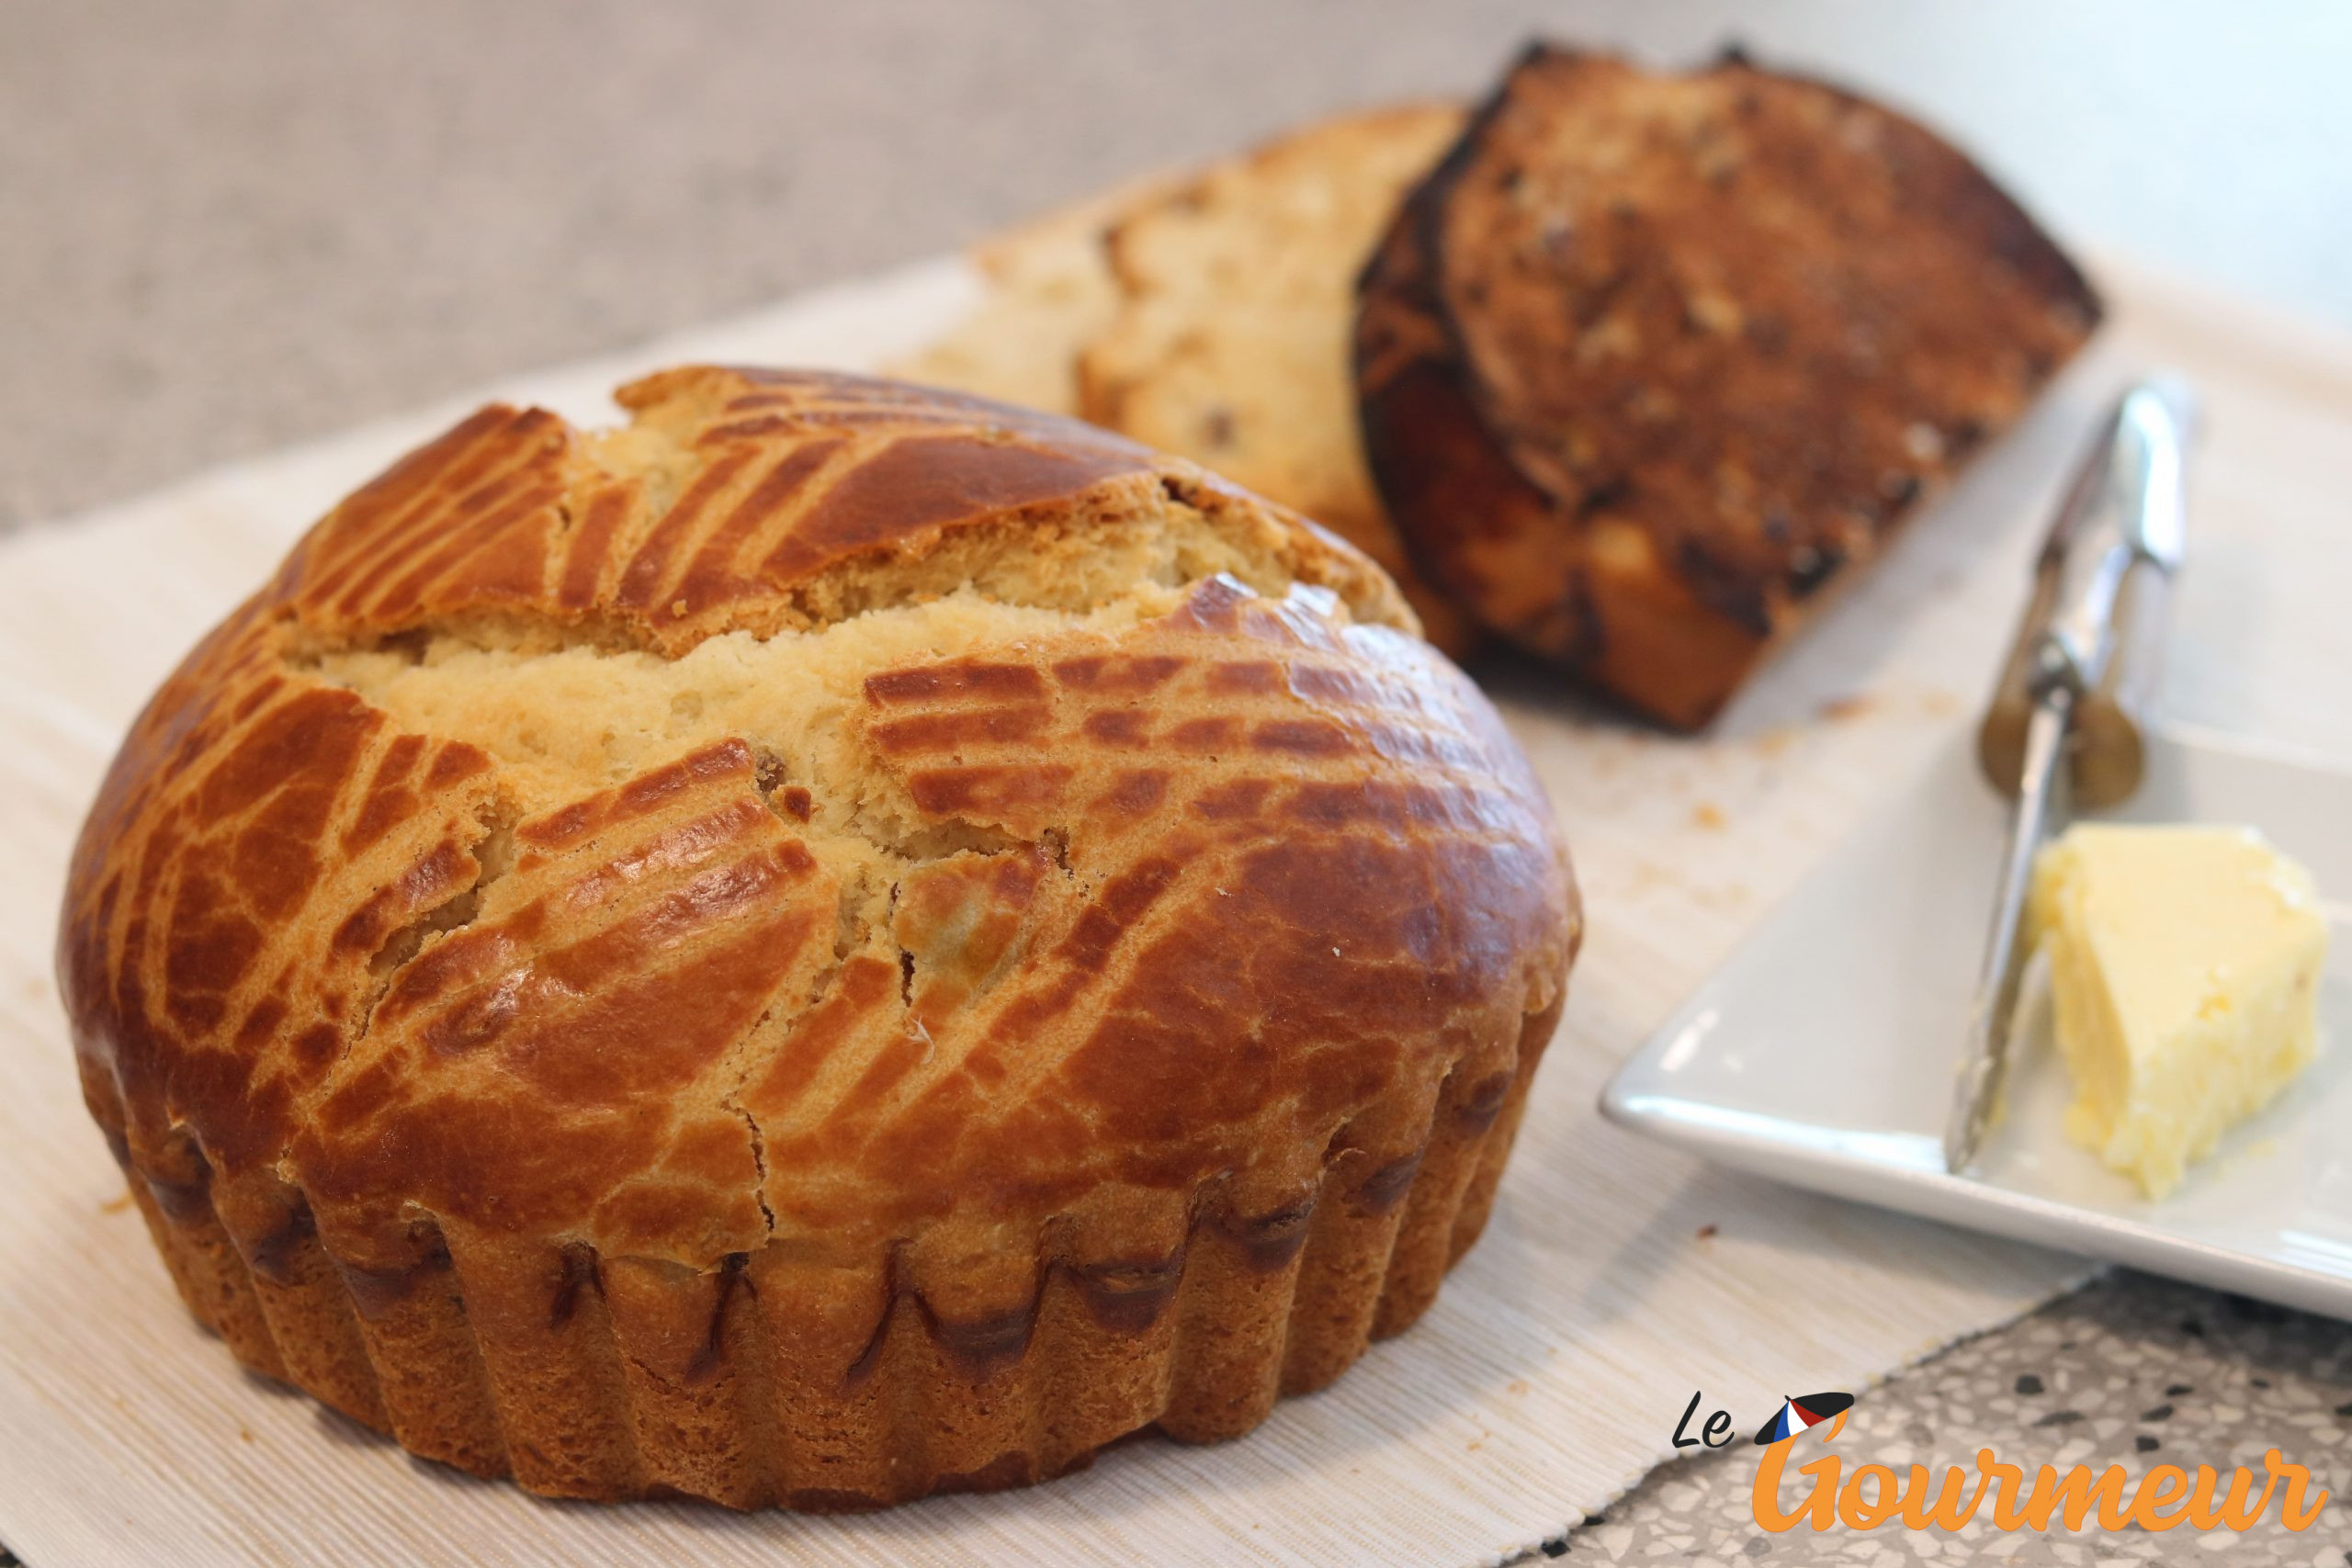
(930, 940)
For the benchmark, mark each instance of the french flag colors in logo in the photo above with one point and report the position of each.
(1796, 1414)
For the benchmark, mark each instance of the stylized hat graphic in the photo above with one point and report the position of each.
(1796, 1414)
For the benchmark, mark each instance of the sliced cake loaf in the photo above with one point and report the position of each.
(1229, 342)
(1049, 292)
(1649, 361)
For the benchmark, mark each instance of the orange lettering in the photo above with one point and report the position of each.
(1945, 1512)
(2004, 1498)
(2074, 1493)
(1764, 1492)
(2158, 1504)
(1862, 1516)
(2164, 1497)
(2233, 1514)
(1821, 1503)
(2290, 1510)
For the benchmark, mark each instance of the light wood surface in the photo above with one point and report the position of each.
(1616, 1276)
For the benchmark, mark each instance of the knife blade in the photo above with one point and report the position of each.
(2041, 799)
(2059, 725)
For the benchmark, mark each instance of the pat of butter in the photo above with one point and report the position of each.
(2184, 964)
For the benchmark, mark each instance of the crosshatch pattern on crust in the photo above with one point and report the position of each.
(834, 943)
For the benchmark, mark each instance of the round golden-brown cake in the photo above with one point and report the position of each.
(836, 943)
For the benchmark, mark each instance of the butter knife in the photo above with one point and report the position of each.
(2066, 722)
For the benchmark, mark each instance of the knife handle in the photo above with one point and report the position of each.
(2107, 752)
(2096, 616)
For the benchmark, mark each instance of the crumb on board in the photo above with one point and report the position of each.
(1708, 1231)
(1837, 710)
(115, 1204)
(1707, 814)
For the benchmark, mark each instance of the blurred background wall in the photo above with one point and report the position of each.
(230, 225)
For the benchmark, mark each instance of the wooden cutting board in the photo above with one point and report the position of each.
(1616, 1277)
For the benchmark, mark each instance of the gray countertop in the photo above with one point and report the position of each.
(2131, 1370)
(229, 227)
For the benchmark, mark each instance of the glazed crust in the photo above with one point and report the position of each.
(1648, 363)
(1102, 1002)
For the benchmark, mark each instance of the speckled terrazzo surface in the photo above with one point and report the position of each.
(2131, 1371)
(227, 228)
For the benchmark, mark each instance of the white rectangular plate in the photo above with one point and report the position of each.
(1822, 1051)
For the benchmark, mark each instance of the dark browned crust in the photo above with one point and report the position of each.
(1646, 363)
(490, 1126)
